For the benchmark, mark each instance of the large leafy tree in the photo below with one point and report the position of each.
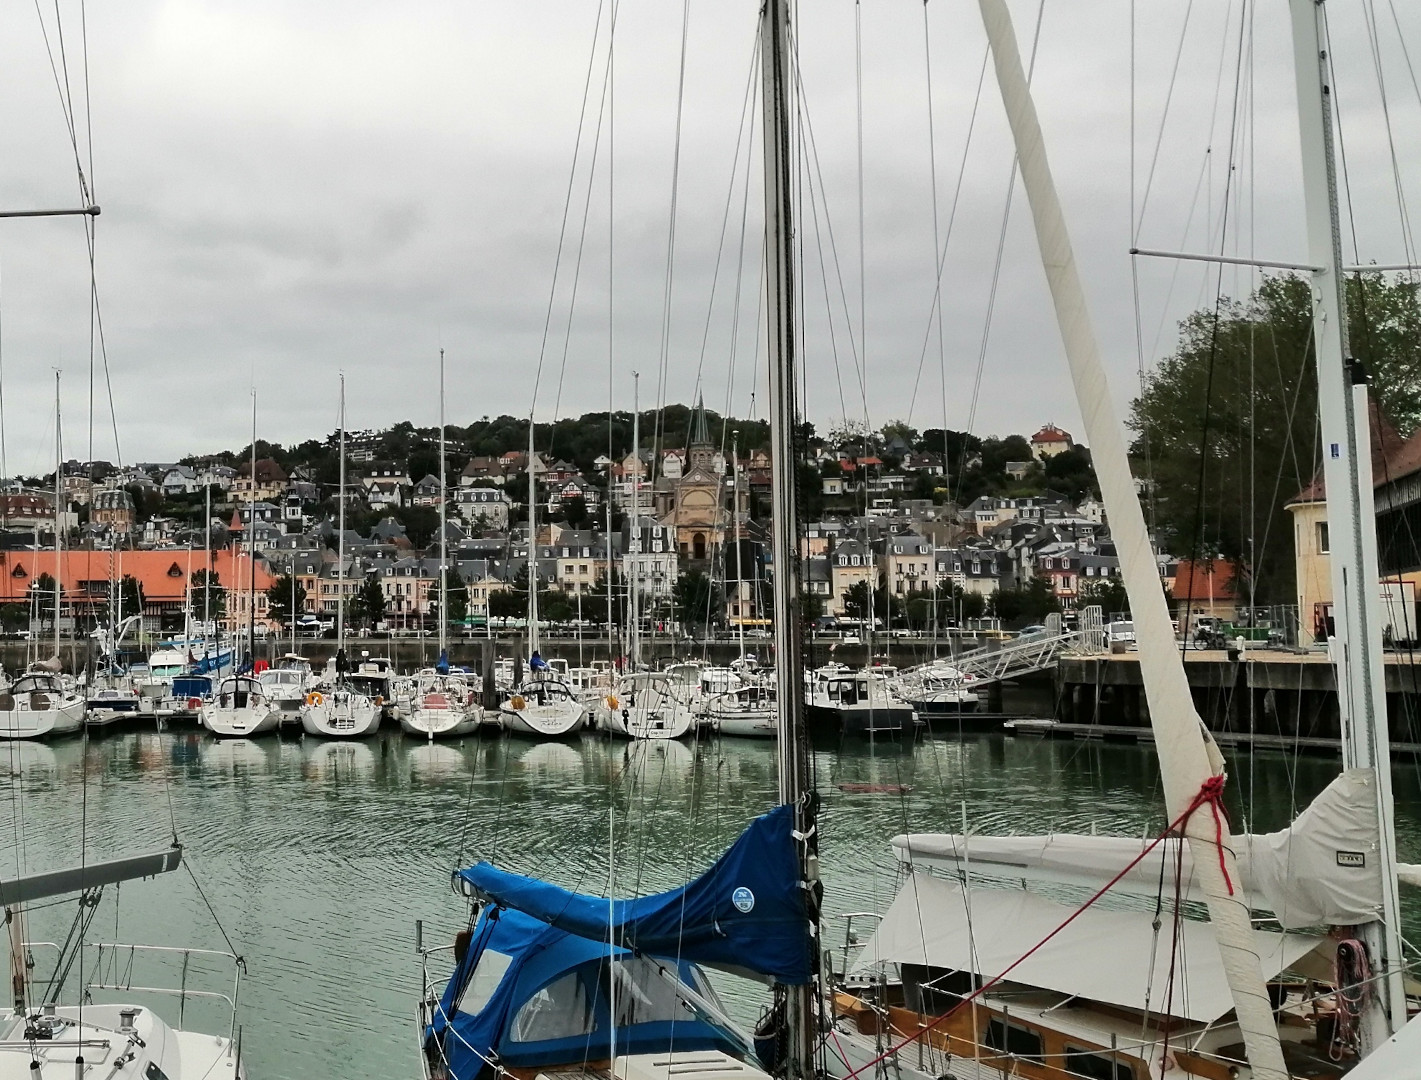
(208, 595)
(367, 606)
(285, 600)
(1226, 428)
(698, 598)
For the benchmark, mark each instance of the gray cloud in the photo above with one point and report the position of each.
(293, 189)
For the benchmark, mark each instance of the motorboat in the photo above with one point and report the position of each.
(286, 683)
(862, 702)
(39, 705)
(108, 706)
(749, 712)
(938, 690)
(239, 708)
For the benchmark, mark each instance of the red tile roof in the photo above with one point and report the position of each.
(164, 575)
(1051, 433)
(1207, 580)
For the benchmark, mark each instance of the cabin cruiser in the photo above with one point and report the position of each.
(240, 707)
(286, 684)
(845, 702)
(439, 706)
(938, 689)
(39, 704)
(647, 705)
(749, 712)
(110, 705)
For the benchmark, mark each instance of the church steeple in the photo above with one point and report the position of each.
(701, 452)
(700, 434)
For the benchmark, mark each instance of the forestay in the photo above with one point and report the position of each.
(1109, 956)
(746, 914)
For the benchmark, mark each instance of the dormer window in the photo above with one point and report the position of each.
(18, 572)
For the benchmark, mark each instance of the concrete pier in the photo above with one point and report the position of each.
(1288, 695)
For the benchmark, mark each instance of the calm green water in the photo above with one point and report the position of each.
(317, 857)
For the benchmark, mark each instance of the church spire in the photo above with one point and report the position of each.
(700, 434)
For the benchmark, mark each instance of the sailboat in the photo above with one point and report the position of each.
(337, 709)
(554, 982)
(242, 704)
(93, 1039)
(441, 703)
(40, 703)
(999, 972)
(543, 705)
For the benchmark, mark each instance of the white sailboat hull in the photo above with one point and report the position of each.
(756, 724)
(438, 723)
(341, 715)
(23, 722)
(551, 721)
(663, 722)
(231, 723)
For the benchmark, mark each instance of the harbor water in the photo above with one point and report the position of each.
(315, 859)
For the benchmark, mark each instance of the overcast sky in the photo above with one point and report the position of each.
(291, 189)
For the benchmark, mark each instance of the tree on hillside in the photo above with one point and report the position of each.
(1239, 397)
(698, 598)
(1071, 473)
(285, 600)
(367, 606)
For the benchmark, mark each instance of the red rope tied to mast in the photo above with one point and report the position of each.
(1211, 793)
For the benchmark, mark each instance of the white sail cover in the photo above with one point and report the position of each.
(1399, 1058)
(1105, 955)
(1323, 870)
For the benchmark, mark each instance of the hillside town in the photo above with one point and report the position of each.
(686, 526)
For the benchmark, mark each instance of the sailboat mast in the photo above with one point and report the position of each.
(532, 545)
(634, 632)
(58, 527)
(735, 527)
(443, 538)
(1190, 764)
(789, 666)
(252, 548)
(1356, 642)
(340, 533)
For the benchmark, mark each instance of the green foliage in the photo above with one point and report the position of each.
(1109, 593)
(698, 598)
(285, 600)
(1072, 474)
(215, 599)
(457, 595)
(1240, 395)
(367, 606)
(1029, 604)
(952, 603)
(130, 595)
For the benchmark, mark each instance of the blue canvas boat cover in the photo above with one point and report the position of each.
(745, 914)
(528, 995)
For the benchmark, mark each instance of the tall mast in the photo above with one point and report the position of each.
(634, 632)
(340, 535)
(789, 667)
(532, 545)
(252, 547)
(58, 528)
(1190, 763)
(1356, 644)
(443, 539)
(735, 528)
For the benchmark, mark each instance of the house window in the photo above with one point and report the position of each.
(1324, 539)
(1008, 1038)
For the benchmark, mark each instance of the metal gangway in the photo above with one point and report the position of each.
(1023, 655)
